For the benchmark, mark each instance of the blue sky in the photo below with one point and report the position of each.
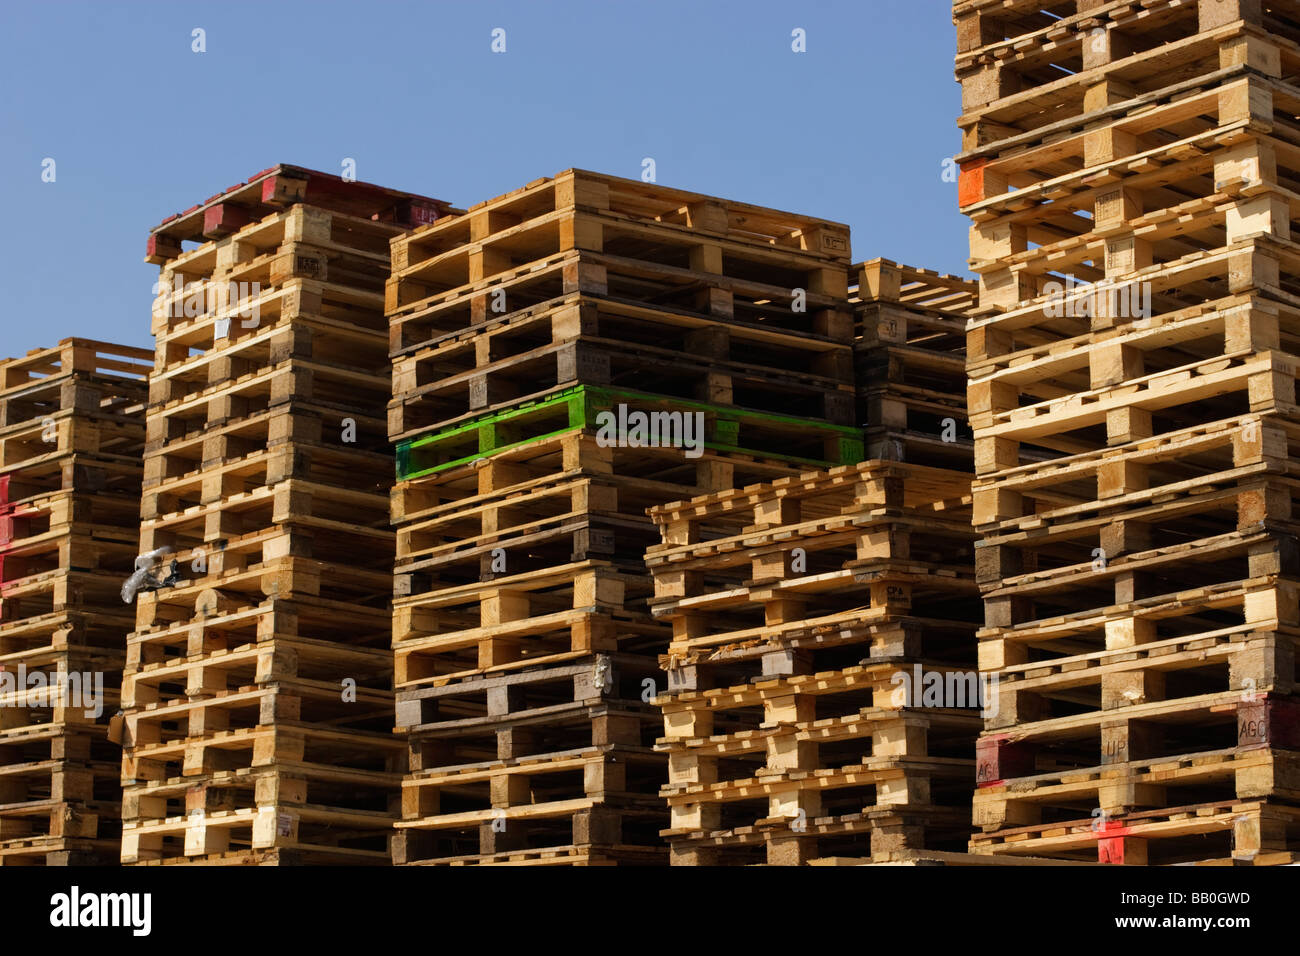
(140, 126)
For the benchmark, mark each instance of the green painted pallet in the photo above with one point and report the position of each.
(726, 430)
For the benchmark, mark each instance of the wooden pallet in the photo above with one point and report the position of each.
(320, 519)
(541, 544)
(1171, 155)
(32, 443)
(58, 777)
(329, 325)
(604, 214)
(266, 833)
(1078, 359)
(1143, 408)
(47, 515)
(91, 377)
(508, 763)
(469, 374)
(1232, 447)
(280, 188)
(1136, 285)
(264, 448)
(849, 702)
(627, 299)
(68, 672)
(241, 574)
(993, 110)
(315, 462)
(59, 851)
(431, 528)
(311, 384)
(727, 431)
(572, 855)
(314, 384)
(727, 574)
(108, 476)
(598, 798)
(222, 731)
(337, 634)
(577, 832)
(92, 632)
(1147, 199)
(1245, 831)
(226, 664)
(101, 364)
(906, 857)
(640, 478)
(1247, 655)
(1138, 730)
(1116, 789)
(589, 605)
(793, 819)
(992, 66)
(492, 697)
(834, 549)
(27, 819)
(1104, 543)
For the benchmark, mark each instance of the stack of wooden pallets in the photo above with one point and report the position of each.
(822, 698)
(258, 684)
(537, 340)
(909, 349)
(1131, 172)
(71, 435)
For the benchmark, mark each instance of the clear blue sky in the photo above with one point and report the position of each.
(140, 126)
